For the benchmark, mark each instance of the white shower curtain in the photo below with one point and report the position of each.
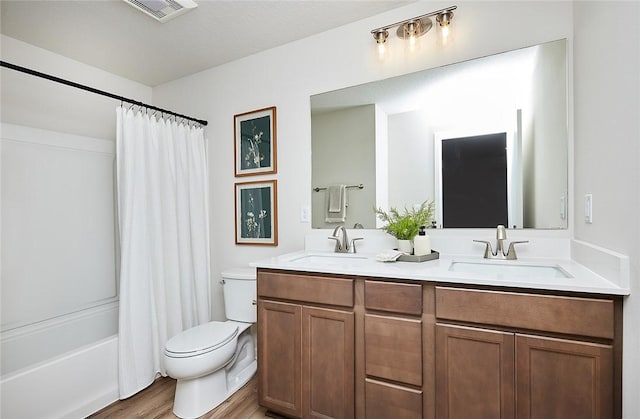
(164, 263)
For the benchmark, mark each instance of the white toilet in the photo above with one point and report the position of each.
(213, 360)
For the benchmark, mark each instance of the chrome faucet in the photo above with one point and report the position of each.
(343, 245)
(501, 237)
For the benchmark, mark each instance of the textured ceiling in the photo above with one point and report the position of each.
(115, 37)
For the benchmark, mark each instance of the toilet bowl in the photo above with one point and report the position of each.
(213, 360)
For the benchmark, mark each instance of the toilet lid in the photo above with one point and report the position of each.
(239, 273)
(203, 338)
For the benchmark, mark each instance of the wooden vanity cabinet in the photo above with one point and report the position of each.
(516, 363)
(335, 346)
(306, 345)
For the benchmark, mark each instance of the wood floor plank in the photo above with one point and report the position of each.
(156, 402)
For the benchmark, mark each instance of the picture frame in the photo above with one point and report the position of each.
(256, 212)
(255, 142)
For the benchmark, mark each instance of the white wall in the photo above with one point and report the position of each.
(39, 103)
(342, 154)
(607, 151)
(286, 77)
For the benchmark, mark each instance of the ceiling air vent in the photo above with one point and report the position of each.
(163, 10)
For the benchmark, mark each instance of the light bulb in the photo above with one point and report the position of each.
(381, 50)
(444, 34)
(444, 19)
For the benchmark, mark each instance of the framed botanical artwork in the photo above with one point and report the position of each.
(257, 212)
(255, 142)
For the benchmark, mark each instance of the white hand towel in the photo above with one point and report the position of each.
(336, 204)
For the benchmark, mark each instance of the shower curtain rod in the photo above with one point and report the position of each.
(94, 90)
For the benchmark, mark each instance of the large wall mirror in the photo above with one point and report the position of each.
(485, 139)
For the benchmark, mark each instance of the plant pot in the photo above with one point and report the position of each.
(405, 246)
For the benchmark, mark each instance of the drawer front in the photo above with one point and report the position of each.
(384, 401)
(569, 315)
(393, 349)
(393, 297)
(306, 288)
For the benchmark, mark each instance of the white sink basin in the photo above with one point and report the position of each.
(329, 259)
(509, 269)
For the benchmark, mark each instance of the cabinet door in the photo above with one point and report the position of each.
(558, 378)
(474, 373)
(327, 363)
(279, 351)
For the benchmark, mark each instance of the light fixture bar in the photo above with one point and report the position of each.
(382, 29)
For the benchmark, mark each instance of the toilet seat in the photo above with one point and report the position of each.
(201, 339)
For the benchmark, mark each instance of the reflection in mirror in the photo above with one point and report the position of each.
(405, 138)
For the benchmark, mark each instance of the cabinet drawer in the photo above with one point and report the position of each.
(306, 288)
(393, 297)
(569, 315)
(393, 348)
(384, 401)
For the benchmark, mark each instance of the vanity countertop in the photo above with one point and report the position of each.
(576, 278)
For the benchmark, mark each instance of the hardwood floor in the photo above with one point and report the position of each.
(156, 402)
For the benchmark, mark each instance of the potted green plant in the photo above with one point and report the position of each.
(405, 225)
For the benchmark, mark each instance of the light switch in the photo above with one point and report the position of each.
(305, 214)
(588, 208)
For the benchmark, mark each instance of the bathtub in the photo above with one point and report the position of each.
(66, 367)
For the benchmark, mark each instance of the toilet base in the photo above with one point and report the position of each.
(197, 396)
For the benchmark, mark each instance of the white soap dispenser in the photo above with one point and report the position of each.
(422, 243)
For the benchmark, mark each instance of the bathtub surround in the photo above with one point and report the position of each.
(57, 244)
(66, 378)
(163, 220)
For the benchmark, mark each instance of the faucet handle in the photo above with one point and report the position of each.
(353, 243)
(487, 250)
(511, 252)
(338, 247)
(501, 232)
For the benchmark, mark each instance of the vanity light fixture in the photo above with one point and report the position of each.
(415, 27)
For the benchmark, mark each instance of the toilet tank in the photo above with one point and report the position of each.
(240, 296)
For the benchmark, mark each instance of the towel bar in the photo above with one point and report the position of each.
(360, 186)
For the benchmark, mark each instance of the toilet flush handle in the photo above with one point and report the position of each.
(222, 282)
